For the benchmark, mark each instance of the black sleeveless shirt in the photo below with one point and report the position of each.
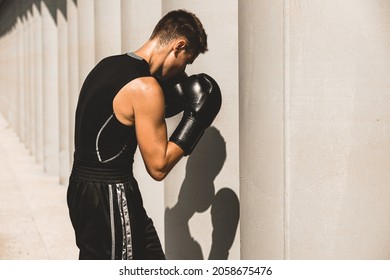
(100, 139)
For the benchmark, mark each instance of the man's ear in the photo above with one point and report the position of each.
(179, 46)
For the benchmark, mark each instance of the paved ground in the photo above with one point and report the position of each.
(34, 221)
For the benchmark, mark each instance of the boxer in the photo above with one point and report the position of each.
(122, 105)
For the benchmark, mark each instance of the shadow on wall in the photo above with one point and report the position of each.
(11, 11)
(197, 194)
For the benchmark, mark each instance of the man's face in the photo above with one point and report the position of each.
(176, 63)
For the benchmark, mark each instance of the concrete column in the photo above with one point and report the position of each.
(73, 70)
(3, 97)
(31, 84)
(3, 61)
(138, 21)
(262, 135)
(21, 77)
(314, 148)
(26, 66)
(339, 129)
(26, 74)
(202, 192)
(37, 46)
(63, 91)
(3, 65)
(50, 88)
(86, 37)
(3, 73)
(9, 56)
(107, 28)
(13, 70)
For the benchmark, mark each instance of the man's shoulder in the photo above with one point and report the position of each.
(143, 85)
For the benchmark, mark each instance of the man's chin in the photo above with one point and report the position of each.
(167, 77)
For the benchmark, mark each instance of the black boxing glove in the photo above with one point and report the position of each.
(173, 94)
(202, 103)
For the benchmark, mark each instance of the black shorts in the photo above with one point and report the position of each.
(108, 216)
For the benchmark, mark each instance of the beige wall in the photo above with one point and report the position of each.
(299, 152)
(339, 129)
(207, 182)
(262, 145)
(314, 129)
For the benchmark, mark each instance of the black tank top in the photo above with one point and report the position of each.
(100, 139)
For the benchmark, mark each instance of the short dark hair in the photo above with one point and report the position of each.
(181, 23)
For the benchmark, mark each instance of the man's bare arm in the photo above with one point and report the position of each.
(141, 103)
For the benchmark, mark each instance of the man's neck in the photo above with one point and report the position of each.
(153, 55)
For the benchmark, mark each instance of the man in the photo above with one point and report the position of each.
(122, 105)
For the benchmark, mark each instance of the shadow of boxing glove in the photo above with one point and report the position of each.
(173, 94)
(202, 103)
